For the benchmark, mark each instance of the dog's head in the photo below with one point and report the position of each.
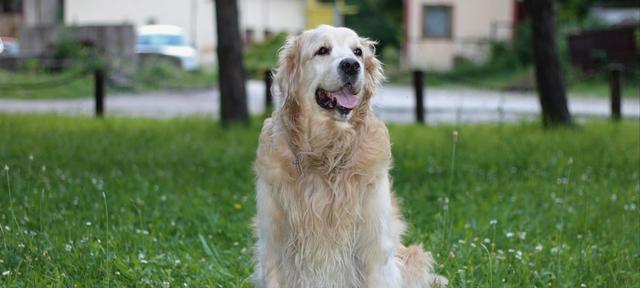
(328, 71)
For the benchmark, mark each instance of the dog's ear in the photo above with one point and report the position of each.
(374, 74)
(287, 80)
(287, 75)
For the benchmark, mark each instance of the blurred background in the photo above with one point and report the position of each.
(151, 47)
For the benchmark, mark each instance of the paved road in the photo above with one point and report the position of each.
(392, 103)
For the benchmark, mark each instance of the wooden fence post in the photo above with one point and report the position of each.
(418, 85)
(99, 91)
(268, 81)
(615, 90)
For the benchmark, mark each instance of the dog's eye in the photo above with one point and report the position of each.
(323, 51)
(357, 52)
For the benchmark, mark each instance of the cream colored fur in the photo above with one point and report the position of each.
(326, 215)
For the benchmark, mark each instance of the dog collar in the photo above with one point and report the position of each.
(297, 165)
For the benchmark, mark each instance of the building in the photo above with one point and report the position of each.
(327, 12)
(258, 18)
(438, 33)
(11, 18)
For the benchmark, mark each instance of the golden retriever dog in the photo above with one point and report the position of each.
(326, 215)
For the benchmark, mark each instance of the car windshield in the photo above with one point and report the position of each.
(161, 40)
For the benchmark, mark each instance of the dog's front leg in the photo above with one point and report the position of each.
(268, 225)
(379, 236)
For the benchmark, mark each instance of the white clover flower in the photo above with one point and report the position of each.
(88, 223)
(509, 234)
(539, 247)
(493, 222)
(487, 240)
(6, 273)
(557, 250)
(67, 247)
(30, 157)
(6, 168)
(522, 235)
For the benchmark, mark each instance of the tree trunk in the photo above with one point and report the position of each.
(549, 80)
(233, 96)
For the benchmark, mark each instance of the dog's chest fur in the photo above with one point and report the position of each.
(323, 204)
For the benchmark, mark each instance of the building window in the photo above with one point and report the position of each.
(436, 21)
(249, 35)
(11, 6)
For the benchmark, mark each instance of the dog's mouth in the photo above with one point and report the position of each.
(343, 100)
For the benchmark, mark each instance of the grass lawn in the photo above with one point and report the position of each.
(515, 79)
(75, 83)
(168, 203)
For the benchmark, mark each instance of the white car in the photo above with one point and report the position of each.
(9, 46)
(167, 41)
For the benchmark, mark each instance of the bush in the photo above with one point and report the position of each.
(523, 44)
(67, 50)
(503, 56)
(390, 56)
(263, 56)
(159, 72)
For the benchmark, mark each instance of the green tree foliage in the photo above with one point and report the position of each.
(380, 20)
(263, 56)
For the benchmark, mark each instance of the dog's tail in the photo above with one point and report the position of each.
(416, 267)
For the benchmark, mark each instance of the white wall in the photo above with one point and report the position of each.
(274, 15)
(471, 24)
(196, 17)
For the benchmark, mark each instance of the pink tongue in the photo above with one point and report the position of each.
(345, 98)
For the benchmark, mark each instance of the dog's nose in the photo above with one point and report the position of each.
(350, 66)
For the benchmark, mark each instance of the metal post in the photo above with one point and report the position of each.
(418, 85)
(615, 89)
(268, 81)
(99, 92)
